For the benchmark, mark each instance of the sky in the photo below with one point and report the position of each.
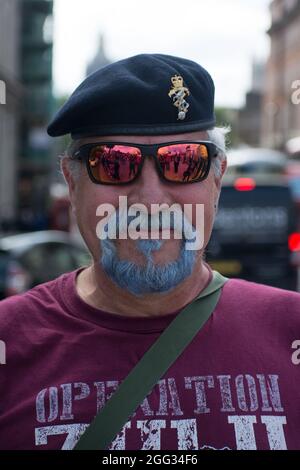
(223, 36)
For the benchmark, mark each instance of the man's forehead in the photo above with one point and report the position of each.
(147, 139)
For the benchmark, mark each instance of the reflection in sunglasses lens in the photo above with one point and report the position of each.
(114, 164)
(184, 162)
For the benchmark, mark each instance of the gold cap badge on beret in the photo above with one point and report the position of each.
(178, 92)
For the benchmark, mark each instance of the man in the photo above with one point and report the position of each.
(72, 341)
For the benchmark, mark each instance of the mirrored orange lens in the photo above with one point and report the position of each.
(114, 164)
(184, 162)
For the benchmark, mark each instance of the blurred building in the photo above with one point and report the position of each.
(249, 120)
(100, 59)
(9, 110)
(26, 71)
(36, 76)
(281, 117)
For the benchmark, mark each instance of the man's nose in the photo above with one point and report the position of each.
(149, 188)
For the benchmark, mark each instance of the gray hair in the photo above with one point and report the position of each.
(74, 165)
(217, 135)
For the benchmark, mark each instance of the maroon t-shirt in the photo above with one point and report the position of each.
(236, 386)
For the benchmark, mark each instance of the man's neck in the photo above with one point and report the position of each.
(97, 290)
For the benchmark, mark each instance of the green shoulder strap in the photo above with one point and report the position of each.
(153, 365)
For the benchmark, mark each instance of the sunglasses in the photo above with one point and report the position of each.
(117, 163)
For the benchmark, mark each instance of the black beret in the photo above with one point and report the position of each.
(148, 94)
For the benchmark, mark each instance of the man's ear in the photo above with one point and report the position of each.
(223, 167)
(69, 179)
(218, 180)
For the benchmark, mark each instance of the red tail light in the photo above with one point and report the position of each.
(244, 184)
(294, 241)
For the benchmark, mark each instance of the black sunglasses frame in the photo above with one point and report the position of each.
(83, 153)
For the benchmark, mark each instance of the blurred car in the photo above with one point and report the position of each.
(255, 234)
(264, 161)
(293, 171)
(33, 258)
(245, 161)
